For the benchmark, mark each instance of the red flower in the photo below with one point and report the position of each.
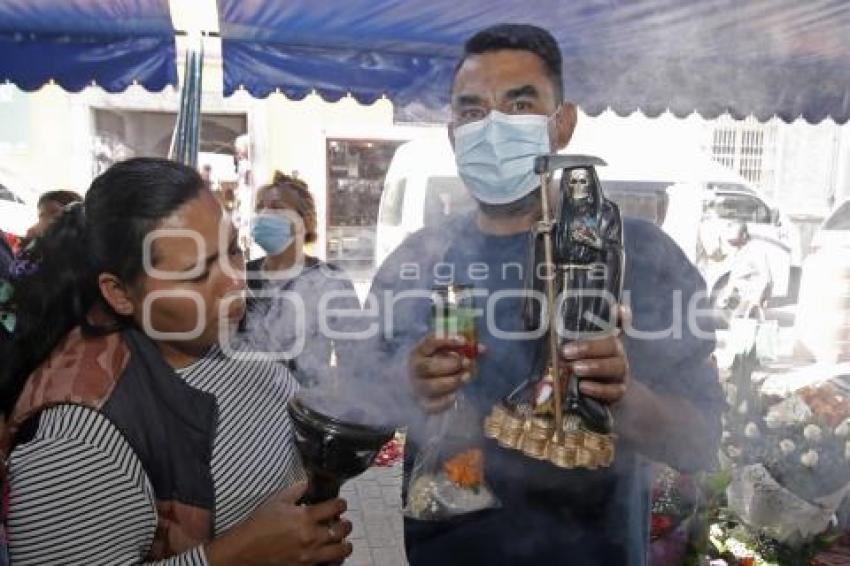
(13, 241)
(390, 453)
(661, 525)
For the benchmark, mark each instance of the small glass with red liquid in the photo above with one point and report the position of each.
(453, 314)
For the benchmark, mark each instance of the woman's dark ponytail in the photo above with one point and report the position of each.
(103, 234)
(50, 300)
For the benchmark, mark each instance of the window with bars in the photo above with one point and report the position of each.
(741, 149)
(723, 148)
(752, 150)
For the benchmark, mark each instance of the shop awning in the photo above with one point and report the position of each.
(77, 42)
(788, 58)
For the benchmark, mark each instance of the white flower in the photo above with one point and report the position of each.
(790, 412)
(809, 459)
(813, 433)
(773, 421)
(752, 430)
(787, 446)
(715, 531)
(843, 429)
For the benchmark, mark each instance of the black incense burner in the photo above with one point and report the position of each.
(333, 449)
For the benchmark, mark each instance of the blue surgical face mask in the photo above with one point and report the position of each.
(272, 232)
(495, 156)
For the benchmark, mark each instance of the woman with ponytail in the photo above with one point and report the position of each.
(129, 437)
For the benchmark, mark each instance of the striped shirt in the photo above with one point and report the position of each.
(79, 494)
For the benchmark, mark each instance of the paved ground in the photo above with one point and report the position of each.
(374, 508)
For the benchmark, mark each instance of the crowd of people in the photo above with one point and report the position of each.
(131, 435)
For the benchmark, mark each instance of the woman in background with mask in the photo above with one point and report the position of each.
(296, 296)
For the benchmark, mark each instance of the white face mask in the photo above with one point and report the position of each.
(495, 156)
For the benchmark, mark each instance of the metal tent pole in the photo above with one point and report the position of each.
(185, 141)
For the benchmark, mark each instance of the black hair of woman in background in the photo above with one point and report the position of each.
(50, 206)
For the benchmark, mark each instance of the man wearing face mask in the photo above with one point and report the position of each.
(508, 106)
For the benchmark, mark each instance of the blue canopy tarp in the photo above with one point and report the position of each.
(75, 42)
(762, 57)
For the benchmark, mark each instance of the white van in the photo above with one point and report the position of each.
(822, 326)
(681, 197)
(421, 187)
(691, 200)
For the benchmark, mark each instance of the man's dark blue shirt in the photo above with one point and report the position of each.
(547, 515)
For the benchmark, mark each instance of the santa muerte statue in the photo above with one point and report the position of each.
(573, 287)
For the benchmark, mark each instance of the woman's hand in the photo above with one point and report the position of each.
(281, 533)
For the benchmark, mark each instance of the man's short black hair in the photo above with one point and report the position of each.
(523, 37)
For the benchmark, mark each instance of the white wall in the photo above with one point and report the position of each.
(809, 165)
(619, 140)
(842, 182)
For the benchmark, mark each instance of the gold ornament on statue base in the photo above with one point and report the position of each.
(531, 430)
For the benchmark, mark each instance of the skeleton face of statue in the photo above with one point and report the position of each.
(579, 183)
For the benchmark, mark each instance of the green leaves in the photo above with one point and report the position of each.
(6, 292)
(8, 320)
